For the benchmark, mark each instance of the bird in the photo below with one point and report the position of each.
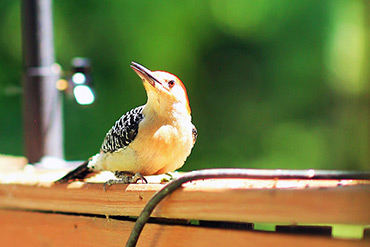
(155, 138)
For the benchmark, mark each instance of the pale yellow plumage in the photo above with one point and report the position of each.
(153, 139)
(165, 135)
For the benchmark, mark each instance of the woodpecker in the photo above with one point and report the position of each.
(151, 139)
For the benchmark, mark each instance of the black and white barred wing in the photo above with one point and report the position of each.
(123, 131)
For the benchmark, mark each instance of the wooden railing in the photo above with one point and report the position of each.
(223, 212)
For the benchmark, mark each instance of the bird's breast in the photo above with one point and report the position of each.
(162, 147)
(159, 147)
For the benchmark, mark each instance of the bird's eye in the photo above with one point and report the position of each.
(171, 83)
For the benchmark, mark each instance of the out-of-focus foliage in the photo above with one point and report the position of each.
(272, 84)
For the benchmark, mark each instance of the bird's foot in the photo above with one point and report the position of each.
(125, 178)
(170, 174)
(170, 177)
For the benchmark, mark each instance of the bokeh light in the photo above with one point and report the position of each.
(272, 84)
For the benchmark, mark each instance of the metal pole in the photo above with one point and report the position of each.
(42, 102)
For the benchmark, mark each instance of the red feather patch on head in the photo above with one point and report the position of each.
(183, 87)
(186, 93)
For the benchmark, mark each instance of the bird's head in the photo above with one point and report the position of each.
(164, 89)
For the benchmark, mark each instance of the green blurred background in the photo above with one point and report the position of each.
(272, 84)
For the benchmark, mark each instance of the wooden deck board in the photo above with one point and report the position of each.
(206, 200)
(19, 228)
(36, 212)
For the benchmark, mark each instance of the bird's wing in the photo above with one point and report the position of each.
(123, 131)
(195, 134)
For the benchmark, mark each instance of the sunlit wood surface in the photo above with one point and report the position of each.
(36, 212)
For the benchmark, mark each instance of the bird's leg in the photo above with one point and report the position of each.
(125, 177)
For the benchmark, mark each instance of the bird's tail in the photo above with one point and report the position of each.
(81, 172)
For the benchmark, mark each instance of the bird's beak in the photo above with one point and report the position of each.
(145, 74)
